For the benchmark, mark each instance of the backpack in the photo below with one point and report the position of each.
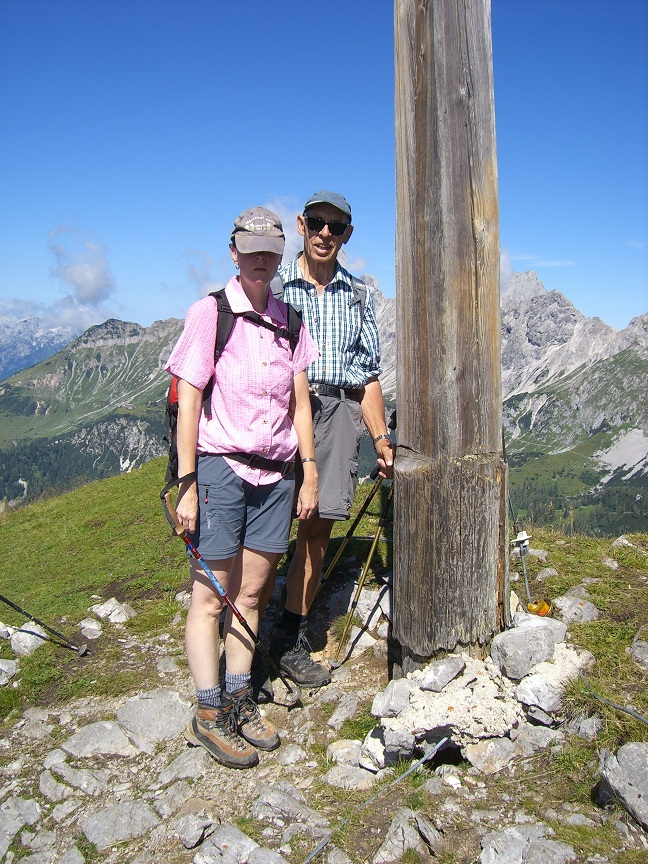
(224, 326)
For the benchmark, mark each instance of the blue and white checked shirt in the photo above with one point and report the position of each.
(349, 344)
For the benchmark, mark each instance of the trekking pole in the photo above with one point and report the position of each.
(80, 649)
(354, 525)
(294, 693)
(335, 663)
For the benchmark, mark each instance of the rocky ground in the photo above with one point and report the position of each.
(113, 780)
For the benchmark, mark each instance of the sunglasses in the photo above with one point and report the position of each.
(316, 223)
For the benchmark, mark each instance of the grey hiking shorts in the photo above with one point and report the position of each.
(338, 428)
(235, 513)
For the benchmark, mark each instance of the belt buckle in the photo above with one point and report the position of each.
(318, 389)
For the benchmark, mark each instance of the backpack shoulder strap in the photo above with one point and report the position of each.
(277, 287)
(294, 325)
(359, 293)
(224, 327)
(224, 323)
(294, 312)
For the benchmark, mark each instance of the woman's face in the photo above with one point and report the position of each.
(256, 268)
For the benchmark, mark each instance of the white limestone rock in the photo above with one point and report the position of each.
(24, 641)
(113, 610)
(480, 703)
(442, 672)
(491, 755)
(516, 651)
(626, 773)
(8, 669)
(346, 751)
(574, 610)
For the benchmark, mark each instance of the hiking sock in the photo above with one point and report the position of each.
(210, 697)
(292, 621)
(234, 681)
(290, 626)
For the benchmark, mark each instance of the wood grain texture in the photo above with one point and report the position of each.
(450, 479)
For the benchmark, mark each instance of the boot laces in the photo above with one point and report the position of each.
(245, 710)
(302, 642)
(302, 651)
(226, 722)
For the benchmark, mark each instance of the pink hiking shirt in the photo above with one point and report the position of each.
(253, 381)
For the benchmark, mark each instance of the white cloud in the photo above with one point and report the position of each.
(82, 266)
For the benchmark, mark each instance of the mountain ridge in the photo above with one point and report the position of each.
(573, 391)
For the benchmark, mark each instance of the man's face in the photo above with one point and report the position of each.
(321, 247)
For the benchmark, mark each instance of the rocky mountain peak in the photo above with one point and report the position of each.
(543, 333)
(111, 332)
(635, 334)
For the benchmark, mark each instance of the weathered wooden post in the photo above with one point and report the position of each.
(450, 529)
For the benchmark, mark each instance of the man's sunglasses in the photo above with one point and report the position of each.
(316, 223)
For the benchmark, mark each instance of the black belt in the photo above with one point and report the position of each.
(286, 469)
(336, 392)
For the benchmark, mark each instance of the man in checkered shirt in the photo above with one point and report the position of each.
(345, 394)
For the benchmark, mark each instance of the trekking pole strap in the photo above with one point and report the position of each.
(171, 515)
(176, 482)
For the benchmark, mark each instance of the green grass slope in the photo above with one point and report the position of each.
(109, 538)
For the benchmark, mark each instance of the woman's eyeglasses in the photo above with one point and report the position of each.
(316, 223)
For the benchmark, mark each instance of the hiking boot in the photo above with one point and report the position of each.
(215, 730)
(250, 724)
(262, 689)
(295, 661)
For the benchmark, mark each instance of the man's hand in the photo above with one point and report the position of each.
(385, 458)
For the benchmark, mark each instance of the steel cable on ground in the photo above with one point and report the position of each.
(630, 711)
(325, 840)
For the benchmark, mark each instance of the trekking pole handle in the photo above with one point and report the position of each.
(172, 516)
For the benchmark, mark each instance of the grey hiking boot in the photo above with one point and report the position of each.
(295, 661)
(262, 689)
(250, 724)
(215, 730)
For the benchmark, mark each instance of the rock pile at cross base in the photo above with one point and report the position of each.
(114, 778)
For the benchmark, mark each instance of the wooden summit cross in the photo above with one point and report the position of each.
(450, 521)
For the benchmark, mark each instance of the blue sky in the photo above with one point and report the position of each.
(132, 133)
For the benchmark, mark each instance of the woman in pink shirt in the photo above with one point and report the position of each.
(238, 505)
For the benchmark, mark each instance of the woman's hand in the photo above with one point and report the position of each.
(187, 506)
(308, 493)
(189, 407)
